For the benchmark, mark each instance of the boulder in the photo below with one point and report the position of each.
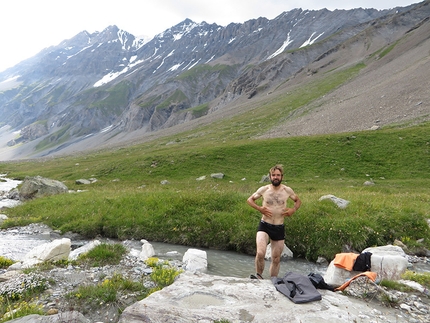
(82, 181)
(286, 253)
(147, 250)
(58, 249)
(217, 175)
(84, 249)
(198, 297)
(335, 276)
(34, 187)
(265, 179)
(195, 260)
(341, 203)
(388, 262)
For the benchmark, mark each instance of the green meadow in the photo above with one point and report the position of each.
(128, 200)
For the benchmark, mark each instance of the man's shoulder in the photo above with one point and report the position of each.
(264, 188)
(287, 188)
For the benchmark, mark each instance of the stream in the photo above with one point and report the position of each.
(17, 242)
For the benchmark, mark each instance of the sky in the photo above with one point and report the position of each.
(29, 26)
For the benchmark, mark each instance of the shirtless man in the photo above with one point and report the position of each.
(273, 209)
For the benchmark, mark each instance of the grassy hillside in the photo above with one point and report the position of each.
(128, 201)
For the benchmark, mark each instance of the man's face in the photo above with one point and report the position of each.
(276, 177)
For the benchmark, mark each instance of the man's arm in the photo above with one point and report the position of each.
(297, 202)
(251, 201)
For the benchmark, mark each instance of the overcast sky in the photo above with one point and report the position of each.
(28, 26)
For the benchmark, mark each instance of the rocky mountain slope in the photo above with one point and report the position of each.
(110, 88)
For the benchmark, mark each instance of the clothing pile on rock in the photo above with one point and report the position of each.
(354, 262)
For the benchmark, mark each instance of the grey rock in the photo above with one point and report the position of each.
(217, 175)
(34, 187)
(203, 298)
(64, 317)
(82, 181)
(341, 203)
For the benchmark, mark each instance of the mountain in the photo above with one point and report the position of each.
(110, 87)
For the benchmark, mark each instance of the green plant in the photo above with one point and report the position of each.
(23, 286)
(20, 309)
(103, 254)
(164, 276)
(153, 262)
(107, 291)
(421, 278)
(5, 262)
(391, 284)
(16, 296)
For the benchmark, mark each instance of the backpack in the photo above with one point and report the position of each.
(318, 281)
(297, 288)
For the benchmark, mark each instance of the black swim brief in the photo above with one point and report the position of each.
(275, 231)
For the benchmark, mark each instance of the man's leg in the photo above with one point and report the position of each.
(277, 248)
(262, 239)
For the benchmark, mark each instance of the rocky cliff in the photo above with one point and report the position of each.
(113, 84)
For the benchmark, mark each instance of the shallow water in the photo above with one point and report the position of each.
(7, 184)
(15, 244)
(233, 264)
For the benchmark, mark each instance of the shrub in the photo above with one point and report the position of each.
(103, 254)
(5, 262)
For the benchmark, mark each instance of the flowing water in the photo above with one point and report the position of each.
(7, 184)
(16, 243)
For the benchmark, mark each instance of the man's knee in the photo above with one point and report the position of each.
(260, 254)
(276, 259)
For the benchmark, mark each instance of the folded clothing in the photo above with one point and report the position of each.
(345, 260)
(371, 275)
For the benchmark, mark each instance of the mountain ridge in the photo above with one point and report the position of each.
(151, 87)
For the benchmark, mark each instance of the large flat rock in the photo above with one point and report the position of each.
(203, 298)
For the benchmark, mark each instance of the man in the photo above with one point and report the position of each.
(273, 209)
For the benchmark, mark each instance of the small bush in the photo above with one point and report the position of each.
(23, 286)
(164, 276)
(5, 262)
(422, 278)
(107, 291)
(103, 254)
(20, 309)
(391, 284)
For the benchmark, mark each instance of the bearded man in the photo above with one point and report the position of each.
(271, 227)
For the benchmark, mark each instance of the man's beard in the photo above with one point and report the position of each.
(276, 182)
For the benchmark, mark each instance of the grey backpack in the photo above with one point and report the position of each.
(297, 288)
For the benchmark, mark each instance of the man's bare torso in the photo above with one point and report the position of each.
(276, 200)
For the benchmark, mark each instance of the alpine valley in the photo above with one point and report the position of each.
(110, 88)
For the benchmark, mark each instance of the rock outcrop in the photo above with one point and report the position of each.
(34, 187)
(197, 297)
